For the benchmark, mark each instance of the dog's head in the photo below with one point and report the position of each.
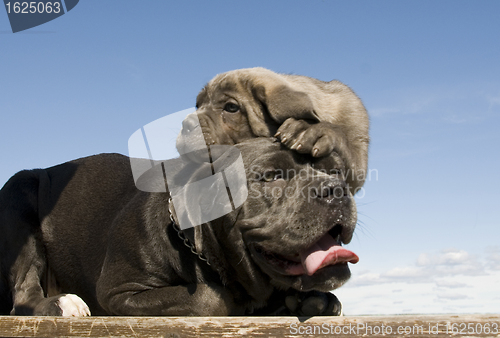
(242, 104)
(298, 213)
(290, 230)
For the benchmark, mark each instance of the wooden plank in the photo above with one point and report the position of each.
(173, 327)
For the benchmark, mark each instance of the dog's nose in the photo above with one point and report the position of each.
(189, 124)
(330, 190)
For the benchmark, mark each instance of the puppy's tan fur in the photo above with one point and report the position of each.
(308, 115)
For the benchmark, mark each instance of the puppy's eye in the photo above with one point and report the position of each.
(231, 107)
(271, 175)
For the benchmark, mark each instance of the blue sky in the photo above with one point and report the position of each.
(427, 71)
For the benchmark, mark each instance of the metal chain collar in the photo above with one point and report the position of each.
(183, 237)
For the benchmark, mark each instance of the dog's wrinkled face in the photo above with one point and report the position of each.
(290, 229)
(297, 215)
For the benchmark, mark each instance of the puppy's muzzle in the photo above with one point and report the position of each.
(189, 124)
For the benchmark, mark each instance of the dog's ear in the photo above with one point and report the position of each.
(207, 243)
(283, 102)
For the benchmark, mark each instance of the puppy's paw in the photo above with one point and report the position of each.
(291, 131)
(318, 139)
(313, 303)
(73, 306)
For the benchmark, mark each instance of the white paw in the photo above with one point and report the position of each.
(73, 306)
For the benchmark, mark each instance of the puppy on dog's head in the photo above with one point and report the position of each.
(308, 115)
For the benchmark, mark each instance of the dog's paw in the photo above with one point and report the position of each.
(60, 305)
(313, 303)
(318, 139)
(72, 306)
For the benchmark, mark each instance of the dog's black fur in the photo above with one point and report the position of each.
(85, 223)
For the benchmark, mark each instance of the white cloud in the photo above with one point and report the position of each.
(451, 296)
(403, 273)
(493, 258)
(449, 281)
(446, 257)
(429, 268)
(450, 284)
(368, 278)
(450, 262)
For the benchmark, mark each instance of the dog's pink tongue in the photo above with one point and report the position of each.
(327, 251)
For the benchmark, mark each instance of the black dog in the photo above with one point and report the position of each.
(85, 224)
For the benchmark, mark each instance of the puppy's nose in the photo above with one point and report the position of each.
(330, 190)
(189, 124)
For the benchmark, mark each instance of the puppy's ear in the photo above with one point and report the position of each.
(283, 102)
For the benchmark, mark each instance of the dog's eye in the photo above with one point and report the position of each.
(231, 107)
(271, 175)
